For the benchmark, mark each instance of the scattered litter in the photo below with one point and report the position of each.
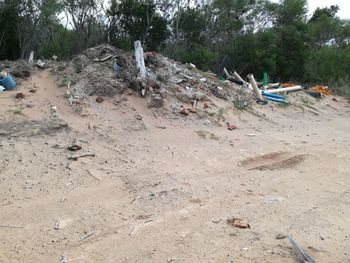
(117, 68)
(289, 89)
(288, 84)
(274, 199)
(86, 236)
(251, 135)
(74, 147)
(99, 99)
(2, 88)
(184, 111)
(231, 127)
(238, 223)
(191, 110)
(53, 108)
(93, 176)
(76, 157)
(57, 225)
(7, 81)
(301, 253)
(5, 226)
(192, 66)
(216, 220)
(20, 95)
(322, 90)
(205, 106)
(40, 63)
(314, 94)
(131, 230)
(281, 236)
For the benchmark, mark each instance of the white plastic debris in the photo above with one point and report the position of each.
(40, 63)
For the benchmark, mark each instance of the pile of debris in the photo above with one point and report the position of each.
(105, 71)
(182, 89)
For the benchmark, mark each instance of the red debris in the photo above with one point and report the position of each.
(238, 223)
(206, 106)
(184, 111)
(191, 110)
(100, 99)
(20, 95)
(231, 127)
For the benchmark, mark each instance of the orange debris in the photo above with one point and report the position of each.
(288, 84)
(322, 90)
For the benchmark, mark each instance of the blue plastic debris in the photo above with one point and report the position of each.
(8, 82)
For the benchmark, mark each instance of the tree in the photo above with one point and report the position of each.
(131, 20)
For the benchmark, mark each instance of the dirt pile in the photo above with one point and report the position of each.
(93, 71)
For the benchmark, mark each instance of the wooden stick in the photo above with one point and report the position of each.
(93, 176)
(86, 236)
(4, 226)
(76, 157)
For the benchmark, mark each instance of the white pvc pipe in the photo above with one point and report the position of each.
(255, 87)
(295, 88)
(238, 77)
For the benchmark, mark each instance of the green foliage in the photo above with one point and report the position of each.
(201, 56)
(9, 18)
(133, 20)
(328, 65)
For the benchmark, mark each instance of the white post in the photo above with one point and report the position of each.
(31, 57)
(140, 60)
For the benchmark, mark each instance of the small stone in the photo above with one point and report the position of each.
(184, 111)
(216, 220)
(100, 99)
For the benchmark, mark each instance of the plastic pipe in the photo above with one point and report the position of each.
(272, 95)
(255, 87)
(277, 100)
(284, 89)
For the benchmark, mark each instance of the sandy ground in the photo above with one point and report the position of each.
(156, 191)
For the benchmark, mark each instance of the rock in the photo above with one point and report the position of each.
(184, 97)
(191, 110)
(184, 111)
(216, 220)
(100, 99)
(238, 223)
(155, 101)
